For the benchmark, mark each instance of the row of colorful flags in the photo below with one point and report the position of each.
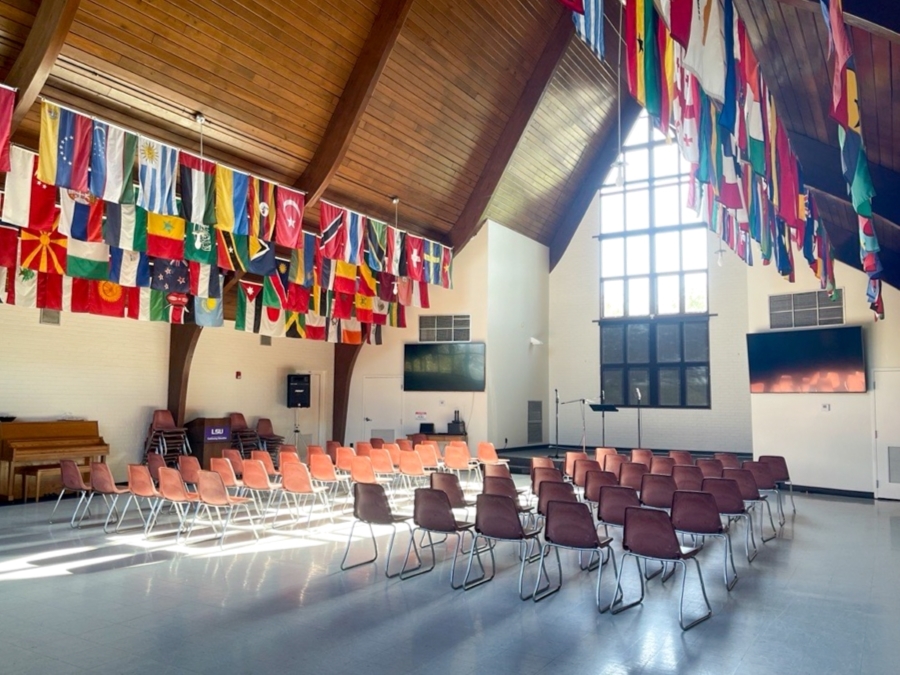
(78, 235)
(691, 65)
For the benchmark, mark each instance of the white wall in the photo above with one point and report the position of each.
(518, 310)
(468, 296)
(214, 391)
(98, 368)
(575, 357)
(833, 449)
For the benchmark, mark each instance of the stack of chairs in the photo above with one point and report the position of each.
(267, 437)
(165, 438)
(243, 437)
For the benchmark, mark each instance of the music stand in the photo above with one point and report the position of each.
(603, 408)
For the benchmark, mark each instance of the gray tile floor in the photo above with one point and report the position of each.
(822, 598)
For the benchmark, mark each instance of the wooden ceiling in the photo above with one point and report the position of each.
(464, 109)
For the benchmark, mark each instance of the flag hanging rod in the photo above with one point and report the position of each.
(6, 86)
(156, 140)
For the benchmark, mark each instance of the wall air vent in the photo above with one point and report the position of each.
(802, 310)
(445, 328)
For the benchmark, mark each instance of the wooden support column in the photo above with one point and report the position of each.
(344, 359)
(182, 341)
(357, 93)
(471, 216)
(32, 67)
(571, 218)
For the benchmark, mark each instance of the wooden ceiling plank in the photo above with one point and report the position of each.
(471, 216)
(895, 104)
(850, 18)
(599, 165)
(43, 44)
(354, 99)
(881, 73)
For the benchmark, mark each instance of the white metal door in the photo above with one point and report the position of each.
(383, 407)
(887, 434)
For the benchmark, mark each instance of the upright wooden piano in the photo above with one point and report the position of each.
(46, 443)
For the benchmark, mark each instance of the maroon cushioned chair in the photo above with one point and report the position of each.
(731, 505)
(779, 468)
(569, 525)
(631, 473)
(497, 519)
(750, 493)
(642, 456)
(540, 474)
(697, 514)
(649, 535)
(433, 514)
(657, 491)
(601, 453)
(596, 480)
(613, 463)
(571, 458)
(614, 499)
(662, 465)
(729, 460)
(765, 482)
(710, 468)
(682, 457)
(552, 491)
(687, 477)
(371, 506)
(582, 466)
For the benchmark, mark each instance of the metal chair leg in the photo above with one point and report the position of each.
(702, 589)
(619, 607)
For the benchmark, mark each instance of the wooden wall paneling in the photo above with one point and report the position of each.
(471, 216)
(878, 18)
(354, 99)
(882, 103)
(868, 104)
(805, 51)
(33, 64)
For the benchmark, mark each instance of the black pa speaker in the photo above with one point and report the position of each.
(298, 391)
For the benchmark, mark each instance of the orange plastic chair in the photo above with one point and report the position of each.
(103, 484)
(457, 460)
(287, 457)
(173, 490)
(234, 456)
(140, 486)
(343, 457)
(189, 466)
(613, 463)
(322, 471)
(266, 459)
(361, 470)
(363, 448)
(257, 483)
(214, 495)
(314, 450)
(393, 450)
(73, 481)
(411, 469)
(224, 468)
(154, 462)
(297, 487)
(600, 453)
(429, 456)
(487, 454)
(404, 444)
(381, 463)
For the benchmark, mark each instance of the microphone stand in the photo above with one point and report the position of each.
(639, 397)
(582, 401)
(556, 447)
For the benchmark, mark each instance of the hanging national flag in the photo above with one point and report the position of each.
(107, 299)
(50, 291)
(680, 14)
(705, 55)
(157, 167)
(208, 312)
(372, 334)
(376, 233)
(206, 282)
(125, 227)
(295, 324)
(231, 251)
(129, 268)
(261, 209)
(685, 110)
(728, 114)
(343, 277)
(316, 326)
(21, 286)
(113, 154)
(80, 215)
(588, 18)
(170, 276)
(261, 256)
(303, 262)
(200, 243)
(7, 105)
(87, 260)
(65, 148)
(9, 246)
(446, 268)
(289, 218)
(272, 322)
(165, 236)
(412, 293)
(415, 263)
(297, 299)
(197, 178)
(231, 200)
(169, 307)
(433, 254)
(356, 236)
(275, 289)
(366, 288)
(249, 306)
(28, 202)
(394, 250)
(43, 251)
(334, 232)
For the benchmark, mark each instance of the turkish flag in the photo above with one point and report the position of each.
(289, 206)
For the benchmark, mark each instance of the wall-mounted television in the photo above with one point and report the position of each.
(820, 360)
(454, 366)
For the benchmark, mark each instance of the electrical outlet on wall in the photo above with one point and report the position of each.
(826, 407)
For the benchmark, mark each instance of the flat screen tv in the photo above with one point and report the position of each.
(457, 366)
(821, 360)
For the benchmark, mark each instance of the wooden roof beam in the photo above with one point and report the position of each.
(357, 93)
(473, 212)
(879, 19)
(42, 46)
(569, 221)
